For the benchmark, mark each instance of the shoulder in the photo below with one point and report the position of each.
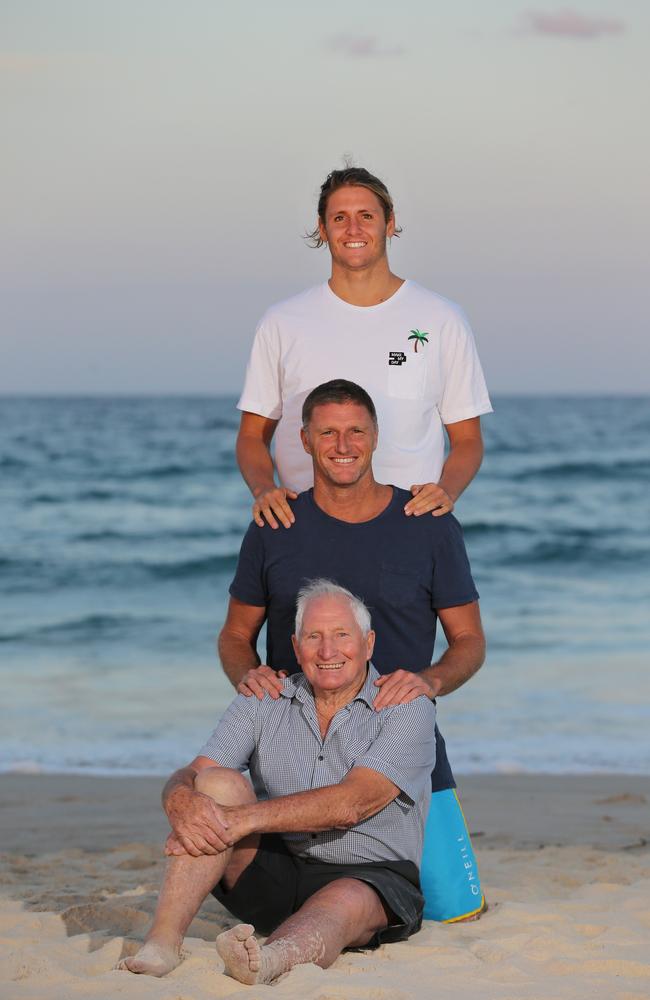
(303, 502)
(442, 308)
(446, 319)
(445, 526)
(251, 707)
(239, 708)
(443, 534)
(274, 538)
(293, 307)
(421, 710)
(416, 714)
(255, 537)
(433, 527)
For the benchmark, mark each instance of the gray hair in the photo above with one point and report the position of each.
(327, 588)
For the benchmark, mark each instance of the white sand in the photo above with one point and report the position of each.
(564, 862)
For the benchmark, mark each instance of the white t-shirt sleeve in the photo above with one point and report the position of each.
(464, 393)
(262, 392)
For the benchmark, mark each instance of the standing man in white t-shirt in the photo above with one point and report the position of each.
(411, 349)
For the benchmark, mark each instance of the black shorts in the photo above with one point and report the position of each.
(276, 884)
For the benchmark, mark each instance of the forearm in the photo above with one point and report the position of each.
(237, 656)
(458, 663)
(462, 464)
(255, 463)
(334, 807)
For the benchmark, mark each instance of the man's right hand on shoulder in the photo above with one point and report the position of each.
(271, 504)
(198, 824)
(262, 680)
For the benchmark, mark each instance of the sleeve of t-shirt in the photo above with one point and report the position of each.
(464, 392)
(405, 749)
(262, 392)
(248, 584)
(232, 743)
(451, 581)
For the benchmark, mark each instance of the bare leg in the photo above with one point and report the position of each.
(187, 881)
(343, 914)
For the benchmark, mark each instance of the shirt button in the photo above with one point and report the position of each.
(321, 757)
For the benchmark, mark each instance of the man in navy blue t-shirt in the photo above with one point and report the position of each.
(409, 571)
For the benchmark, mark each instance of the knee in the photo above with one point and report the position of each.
(224, 785)
(363, 907)
(350, 895)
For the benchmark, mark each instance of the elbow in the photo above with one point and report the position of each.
(221, 644)
(477, 637)
(475, 453)
(355, 812)
(481, 652)
(351, 813)
(471, 645)
(348, 818)
(241, 446)
(474, 653)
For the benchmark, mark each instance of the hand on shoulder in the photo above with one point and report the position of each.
(401, 687)
(272, 504)
(262, 680)
(428, 497)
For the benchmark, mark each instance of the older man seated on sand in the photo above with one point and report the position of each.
(328, 859)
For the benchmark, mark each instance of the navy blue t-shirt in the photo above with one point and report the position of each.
(403, 568)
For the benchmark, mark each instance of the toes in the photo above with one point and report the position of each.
(253, 951)
(240, 953)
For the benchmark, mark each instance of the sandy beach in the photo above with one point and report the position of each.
(565, 863)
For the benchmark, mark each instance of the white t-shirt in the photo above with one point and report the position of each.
(316, 336)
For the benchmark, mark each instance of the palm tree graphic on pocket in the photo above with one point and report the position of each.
(419, 337)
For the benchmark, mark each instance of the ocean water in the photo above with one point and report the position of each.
(121, 520)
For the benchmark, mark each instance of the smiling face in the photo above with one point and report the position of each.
(355, 228)
(331, 648)
(340, 438)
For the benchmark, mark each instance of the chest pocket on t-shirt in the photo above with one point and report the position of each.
(408, 380)
(397, 584)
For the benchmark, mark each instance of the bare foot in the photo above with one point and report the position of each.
(242, 956)
(152, 960)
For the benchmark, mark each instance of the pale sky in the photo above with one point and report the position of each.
(162, 158)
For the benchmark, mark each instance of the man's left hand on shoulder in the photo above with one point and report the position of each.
(428, 497)
(401, 687)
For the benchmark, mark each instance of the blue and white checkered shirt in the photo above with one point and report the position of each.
(280, 742)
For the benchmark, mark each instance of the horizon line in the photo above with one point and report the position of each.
(204, 394)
